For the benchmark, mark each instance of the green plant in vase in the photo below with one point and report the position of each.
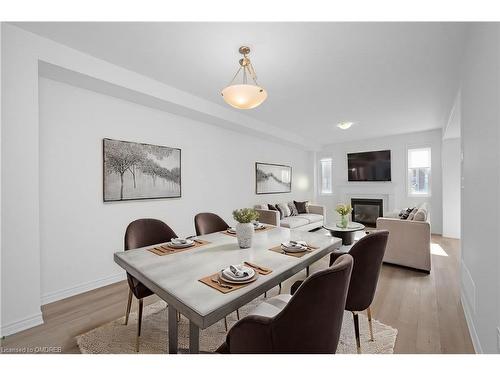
(244, 226)
(343, 210)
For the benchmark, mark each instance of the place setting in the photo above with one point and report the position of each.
(235, 277)
(258, 227)
(294, 248)
(176, 245)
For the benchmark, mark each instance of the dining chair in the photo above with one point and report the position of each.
(140, 233)
(206, 223)
(307, 322)
(368, 253)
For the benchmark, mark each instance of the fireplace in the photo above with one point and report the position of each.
(366, 211)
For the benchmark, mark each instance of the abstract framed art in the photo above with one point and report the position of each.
(133, 171)
(272, 178)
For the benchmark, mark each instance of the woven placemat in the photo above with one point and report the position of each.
(209, 280)
(265, 229)
(278, 249)
(166, 250)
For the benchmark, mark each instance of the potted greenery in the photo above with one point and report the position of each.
(343, 210)
(244, 227)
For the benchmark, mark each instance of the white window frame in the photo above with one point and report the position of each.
(408, 190)
(321, 192)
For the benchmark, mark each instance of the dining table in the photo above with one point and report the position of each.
(175, 277)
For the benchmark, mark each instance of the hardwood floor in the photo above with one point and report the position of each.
(425, 309)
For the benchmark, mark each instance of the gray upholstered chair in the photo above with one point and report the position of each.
(140, 233)
(307, 322)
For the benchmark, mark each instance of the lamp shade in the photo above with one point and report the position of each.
(244, 96)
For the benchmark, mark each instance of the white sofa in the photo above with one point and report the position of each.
(313, 219)
(409, 242)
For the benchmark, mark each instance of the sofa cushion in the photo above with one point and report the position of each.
(293, 209)
(283, 209)
(293, 222)
(312, 218)
(420, 215)
(301, 207)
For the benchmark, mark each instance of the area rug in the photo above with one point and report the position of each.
(116, 338)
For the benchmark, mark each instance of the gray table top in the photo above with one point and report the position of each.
(174, 277)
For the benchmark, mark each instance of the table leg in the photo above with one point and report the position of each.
(172, 330)
(194, 338)
(348, 238)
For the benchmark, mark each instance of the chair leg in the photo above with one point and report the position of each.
(225, 323)
(265, 294)
(178, 317)
(369, 314)
(280, 289)
(139, 323)
(356, 331)
(307, 271)
(129, 303)
(238, 314)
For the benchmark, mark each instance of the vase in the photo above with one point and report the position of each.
(244, 234)
(343, 221)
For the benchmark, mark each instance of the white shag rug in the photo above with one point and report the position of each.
(116, 338)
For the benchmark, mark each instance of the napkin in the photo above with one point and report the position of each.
(237, 272)
(179, 241)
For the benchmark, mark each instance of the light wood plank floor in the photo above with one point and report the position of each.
(425, 309)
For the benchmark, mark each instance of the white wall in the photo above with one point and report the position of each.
(480, 120)
(79, 233)
(451, 187)
(396, 189)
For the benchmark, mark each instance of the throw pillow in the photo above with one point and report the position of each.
(412, 214)
(283, 209)
(293, 209)
(301, 207)
(421, 215)
(272, 207)
(404, 215)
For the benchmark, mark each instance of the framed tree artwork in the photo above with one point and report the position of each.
(272, 178)
(140, 171)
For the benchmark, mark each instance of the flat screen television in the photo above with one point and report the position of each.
(369, 166)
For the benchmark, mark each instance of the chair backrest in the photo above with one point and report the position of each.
(146, 232)
(207, 222)
(368, 254)
(309, 323)
(140, 233)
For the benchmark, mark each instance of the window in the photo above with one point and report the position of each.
(326, 176)
(419, 172)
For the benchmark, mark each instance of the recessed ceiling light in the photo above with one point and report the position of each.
(345, 125)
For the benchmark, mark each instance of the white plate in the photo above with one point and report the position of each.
(228, 275)
(223, 278)
(287, 247)
(188, 243)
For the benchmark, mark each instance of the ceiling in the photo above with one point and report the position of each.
(388, 78)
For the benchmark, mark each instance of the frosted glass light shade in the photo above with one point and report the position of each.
(244, 96)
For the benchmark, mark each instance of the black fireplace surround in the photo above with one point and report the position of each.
(366, 211)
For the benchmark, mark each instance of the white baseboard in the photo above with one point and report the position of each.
(22, 324)
(470, 324)
(81, 288)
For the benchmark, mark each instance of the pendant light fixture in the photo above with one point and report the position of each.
(244, 95)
